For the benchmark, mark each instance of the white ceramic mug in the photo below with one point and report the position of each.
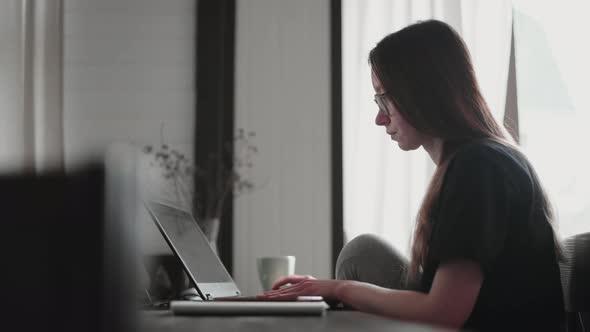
(271, 269)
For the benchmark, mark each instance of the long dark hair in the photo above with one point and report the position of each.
(427, 73)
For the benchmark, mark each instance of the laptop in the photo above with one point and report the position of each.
(217, 291)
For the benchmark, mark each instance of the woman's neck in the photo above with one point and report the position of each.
(434, 147)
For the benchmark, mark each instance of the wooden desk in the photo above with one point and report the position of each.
(165, 321)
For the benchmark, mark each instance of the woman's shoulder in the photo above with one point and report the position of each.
(489, 150)
(488, 155)
(483, 147)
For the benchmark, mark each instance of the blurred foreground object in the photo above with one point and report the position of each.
(67, 250)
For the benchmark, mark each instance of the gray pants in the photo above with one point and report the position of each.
(368, 258)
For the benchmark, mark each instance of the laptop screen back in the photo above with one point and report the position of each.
(190, 244)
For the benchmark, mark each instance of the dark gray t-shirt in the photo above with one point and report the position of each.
(488, 212)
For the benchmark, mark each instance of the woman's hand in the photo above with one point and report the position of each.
(303, 286)
(294, 279)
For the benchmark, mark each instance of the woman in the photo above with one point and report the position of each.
(484, 254)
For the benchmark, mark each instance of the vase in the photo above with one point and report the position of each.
(166, 275)
(210, 226)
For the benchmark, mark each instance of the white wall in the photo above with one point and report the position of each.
(12, 120)
(128, 67)
(283, 93)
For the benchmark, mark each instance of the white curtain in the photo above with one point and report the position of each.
(384, 186)
(31, 131)
(552, 71)
(486, 29)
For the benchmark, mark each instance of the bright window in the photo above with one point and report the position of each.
(552, 72)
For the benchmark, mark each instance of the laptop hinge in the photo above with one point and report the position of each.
(209, 297)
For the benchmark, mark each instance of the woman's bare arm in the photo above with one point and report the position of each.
(449, 303)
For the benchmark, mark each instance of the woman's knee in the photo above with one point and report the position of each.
(363, 245)
(370, 258)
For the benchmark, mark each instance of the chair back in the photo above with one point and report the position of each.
(575, 280)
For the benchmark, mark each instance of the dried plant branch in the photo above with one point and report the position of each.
(214, 181)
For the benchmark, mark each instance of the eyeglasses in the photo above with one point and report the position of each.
(379, 99)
